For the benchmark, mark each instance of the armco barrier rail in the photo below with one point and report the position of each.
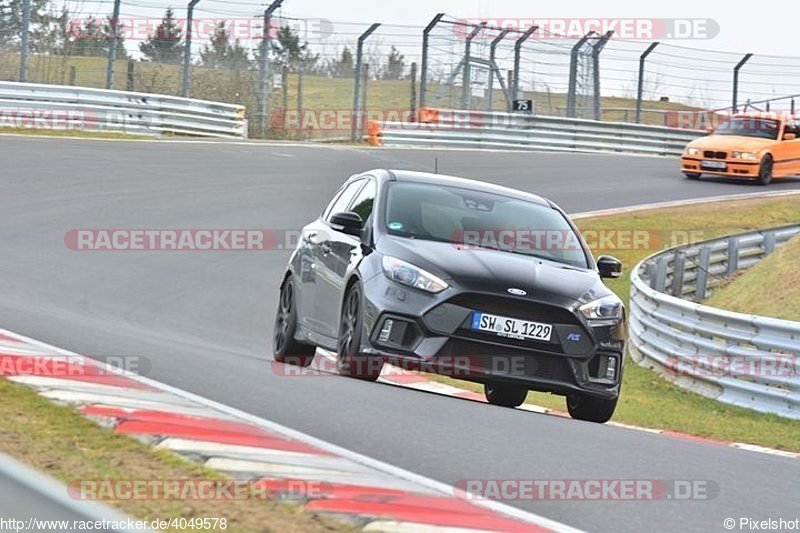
(57, 107)
(520, 131)
(741, 359)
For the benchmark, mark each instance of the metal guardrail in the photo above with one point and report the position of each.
(518, 131)
(740, 359)
(58, 107)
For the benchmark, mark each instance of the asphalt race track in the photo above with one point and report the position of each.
(202, 320)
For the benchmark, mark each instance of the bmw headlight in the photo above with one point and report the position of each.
(748, 156)
(413, 276)
(692, 151)
(606, 308)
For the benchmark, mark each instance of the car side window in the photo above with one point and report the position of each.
(340, 204)
(365, 200)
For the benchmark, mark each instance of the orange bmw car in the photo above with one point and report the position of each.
(755, 146)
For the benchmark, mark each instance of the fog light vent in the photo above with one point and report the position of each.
(611, 370)
(386, 330)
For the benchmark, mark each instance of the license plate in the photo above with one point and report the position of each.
(512, 328)
(714, 165)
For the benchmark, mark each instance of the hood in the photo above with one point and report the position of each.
(496, 271)
(730, 143)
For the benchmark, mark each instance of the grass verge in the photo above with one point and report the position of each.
(75, 133)
(776, 276)
(60, 442)
(647, 399)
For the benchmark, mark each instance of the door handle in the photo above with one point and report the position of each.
(326, 248)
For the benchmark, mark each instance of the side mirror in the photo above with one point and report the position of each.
(348, 222)
(789, 136)
(609, 267)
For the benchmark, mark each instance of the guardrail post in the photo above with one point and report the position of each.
(736, 69)
(573, 73)
(112, 46)
(423, 75)
(493, 66)
(187, 50)
(413, 107)
(264, 88)
(596, 49)
(640, 89)
(24, 41)
(659, 281)
(733, 256)
(466, 85)
(356, 119)
(678, 270)
(769, 242)
(704, 263)
(518, 57)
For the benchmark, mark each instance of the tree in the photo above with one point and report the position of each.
(288, 51)
(395, 65)
(343, 67)
(93, 39)
(41, 27)
(220, 53)
(166, 44)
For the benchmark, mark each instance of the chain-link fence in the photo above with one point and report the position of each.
(323, 79)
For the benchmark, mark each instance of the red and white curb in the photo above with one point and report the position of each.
(369, 493)
(418, 381)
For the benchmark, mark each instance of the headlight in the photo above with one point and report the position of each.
(749, 156)
(606, 308)
(693, 151)
(413, 276)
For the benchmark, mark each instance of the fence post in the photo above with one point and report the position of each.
(466, 85)
(573, 73)
(356, 118)
(517, 59)
(704, 263)
(264, 91)
(25, 40)
(301, 133)
(73, 74)
(413, 107)
(739, 65)
(596, 49)
(187, 50)
(112, 47)
(493, 66)
(640, 89)
(423, 76)
(130, 85)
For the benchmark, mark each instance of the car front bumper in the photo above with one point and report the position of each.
(432, 333)
(734, 167)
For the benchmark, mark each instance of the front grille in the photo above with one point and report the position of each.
(501, 358)
(515, 308)
(710, 154)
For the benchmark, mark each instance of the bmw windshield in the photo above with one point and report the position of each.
(481, 220)
(761, 128)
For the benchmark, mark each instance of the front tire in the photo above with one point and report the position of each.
(349, 360)
(505, 395)
(285, 348)
(692, 175)
(765, 170)
(582, 407)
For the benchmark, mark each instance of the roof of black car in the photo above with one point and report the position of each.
(426, 177)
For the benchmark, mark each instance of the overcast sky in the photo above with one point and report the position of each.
(759, 29)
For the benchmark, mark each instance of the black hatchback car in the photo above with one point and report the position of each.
(457, 277)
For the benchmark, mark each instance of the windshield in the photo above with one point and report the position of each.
(762, 128)
(481, 221)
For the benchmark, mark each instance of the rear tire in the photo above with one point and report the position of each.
(505, 395)
(765, 170)
(285, 348)
(582, 407)
(349, 360)
(692, 175)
